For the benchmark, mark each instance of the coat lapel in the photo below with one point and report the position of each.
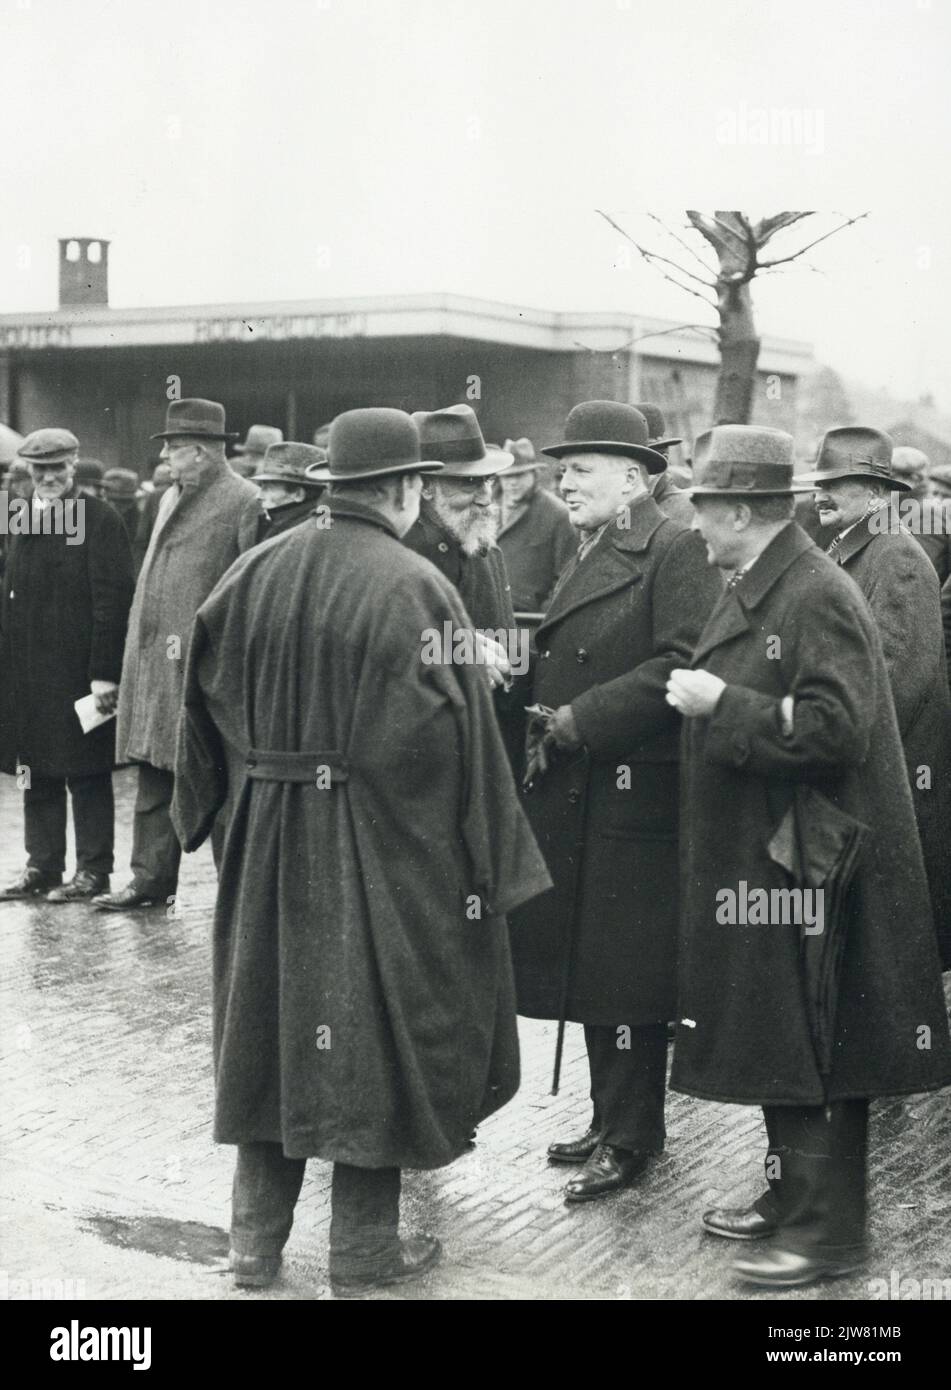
(613, 563)
(730, 617)
(857, 539)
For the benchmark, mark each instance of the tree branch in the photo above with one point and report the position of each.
(679, 240)
(651, 256)
(782, 260)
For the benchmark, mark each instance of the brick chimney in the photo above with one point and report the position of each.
(83, 271)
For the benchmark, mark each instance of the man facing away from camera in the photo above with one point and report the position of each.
(808, 969)
(364, 1008)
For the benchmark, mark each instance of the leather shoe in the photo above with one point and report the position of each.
(413, 1258)
(574, 1150)
(253, 1271)
(129, 897)
(32, 883)
(737, 1224)
(83, 884)
(608, 1170)
(775, 1268)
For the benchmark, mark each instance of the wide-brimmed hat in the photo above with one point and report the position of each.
(523, 452)
(656, 424)
(743, 461)
(854, 451)
(288, 463)
(372, 443)
(259, 439)
(121, 482)
(48, 446)
(195, 418)
(608, 427)
(453, 436)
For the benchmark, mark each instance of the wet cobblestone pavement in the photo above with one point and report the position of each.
(112, 1187)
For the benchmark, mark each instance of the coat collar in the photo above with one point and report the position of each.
(857, 539)
(613, 563)
(730, 617)
(359, 511)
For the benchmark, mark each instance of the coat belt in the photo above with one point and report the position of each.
(266, 766)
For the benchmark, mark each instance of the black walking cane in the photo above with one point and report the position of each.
(573, 930)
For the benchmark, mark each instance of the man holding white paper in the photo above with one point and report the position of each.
(66, 595)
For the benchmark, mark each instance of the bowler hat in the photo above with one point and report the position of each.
(608, 427)
(743, 461)
(196, 419)
(855, 451)
(259, 439)
(121, 482)
(372, 443)
(89, 472)
(288, 462)
(523, 452)
(453, 436)
(656, 425)
(48, 446)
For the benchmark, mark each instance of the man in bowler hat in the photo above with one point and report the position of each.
(602, 798)
(816, 994)
(206, 519)
(363, 1003)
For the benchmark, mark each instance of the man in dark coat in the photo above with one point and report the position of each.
(925, 512)
(363, 1000)
(456, 530)
(121, 489)
(535, 536)
(66, 595)
(288, 495)
(854, 484)
(206, 520)
(808, 971)
(600, 949)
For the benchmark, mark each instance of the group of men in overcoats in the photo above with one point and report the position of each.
(715, 707)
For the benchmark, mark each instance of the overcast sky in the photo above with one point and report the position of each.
(307, 148)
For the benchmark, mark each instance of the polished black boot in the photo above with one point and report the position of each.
(575, 1150)
(607, 1171)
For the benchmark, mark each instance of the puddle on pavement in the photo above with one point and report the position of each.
(158, 1235)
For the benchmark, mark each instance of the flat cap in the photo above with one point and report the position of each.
(48, 446)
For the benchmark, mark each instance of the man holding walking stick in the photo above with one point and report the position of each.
(601, 788)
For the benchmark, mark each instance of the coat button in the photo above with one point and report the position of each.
(544, 655)
(574, 796)
(443, 547)
(581, 656)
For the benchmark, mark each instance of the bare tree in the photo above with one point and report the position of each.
(738, 243)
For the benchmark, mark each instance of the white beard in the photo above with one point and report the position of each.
(475, 529)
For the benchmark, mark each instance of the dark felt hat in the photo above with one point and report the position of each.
(608, 427)
(259, 439)
(288, 463)
(454, 438)
(656, 424)
(855, 451)
(744, 461)
(196, 419)
(372, 443)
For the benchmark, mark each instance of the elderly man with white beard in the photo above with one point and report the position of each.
(457, 528)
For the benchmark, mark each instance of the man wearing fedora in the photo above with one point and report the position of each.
(826, 992)
(457, 530)
(66, 597)
(288, 494)
(206, 519)
(121, 488)
(929, 518)
(858, 497)
(535, 536)
(363, 1004)
(672, 500)
(249, 456)
(602, 799)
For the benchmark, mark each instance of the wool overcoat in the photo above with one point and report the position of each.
(536, 546)
(901, 588)
(606, 816)
(797, 626)
(198, 533)
(64, 613)
(672, 500)
(364, 1006)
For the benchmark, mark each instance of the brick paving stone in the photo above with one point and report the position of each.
(106, 1084)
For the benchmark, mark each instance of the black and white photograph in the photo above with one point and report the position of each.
(475, 665)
